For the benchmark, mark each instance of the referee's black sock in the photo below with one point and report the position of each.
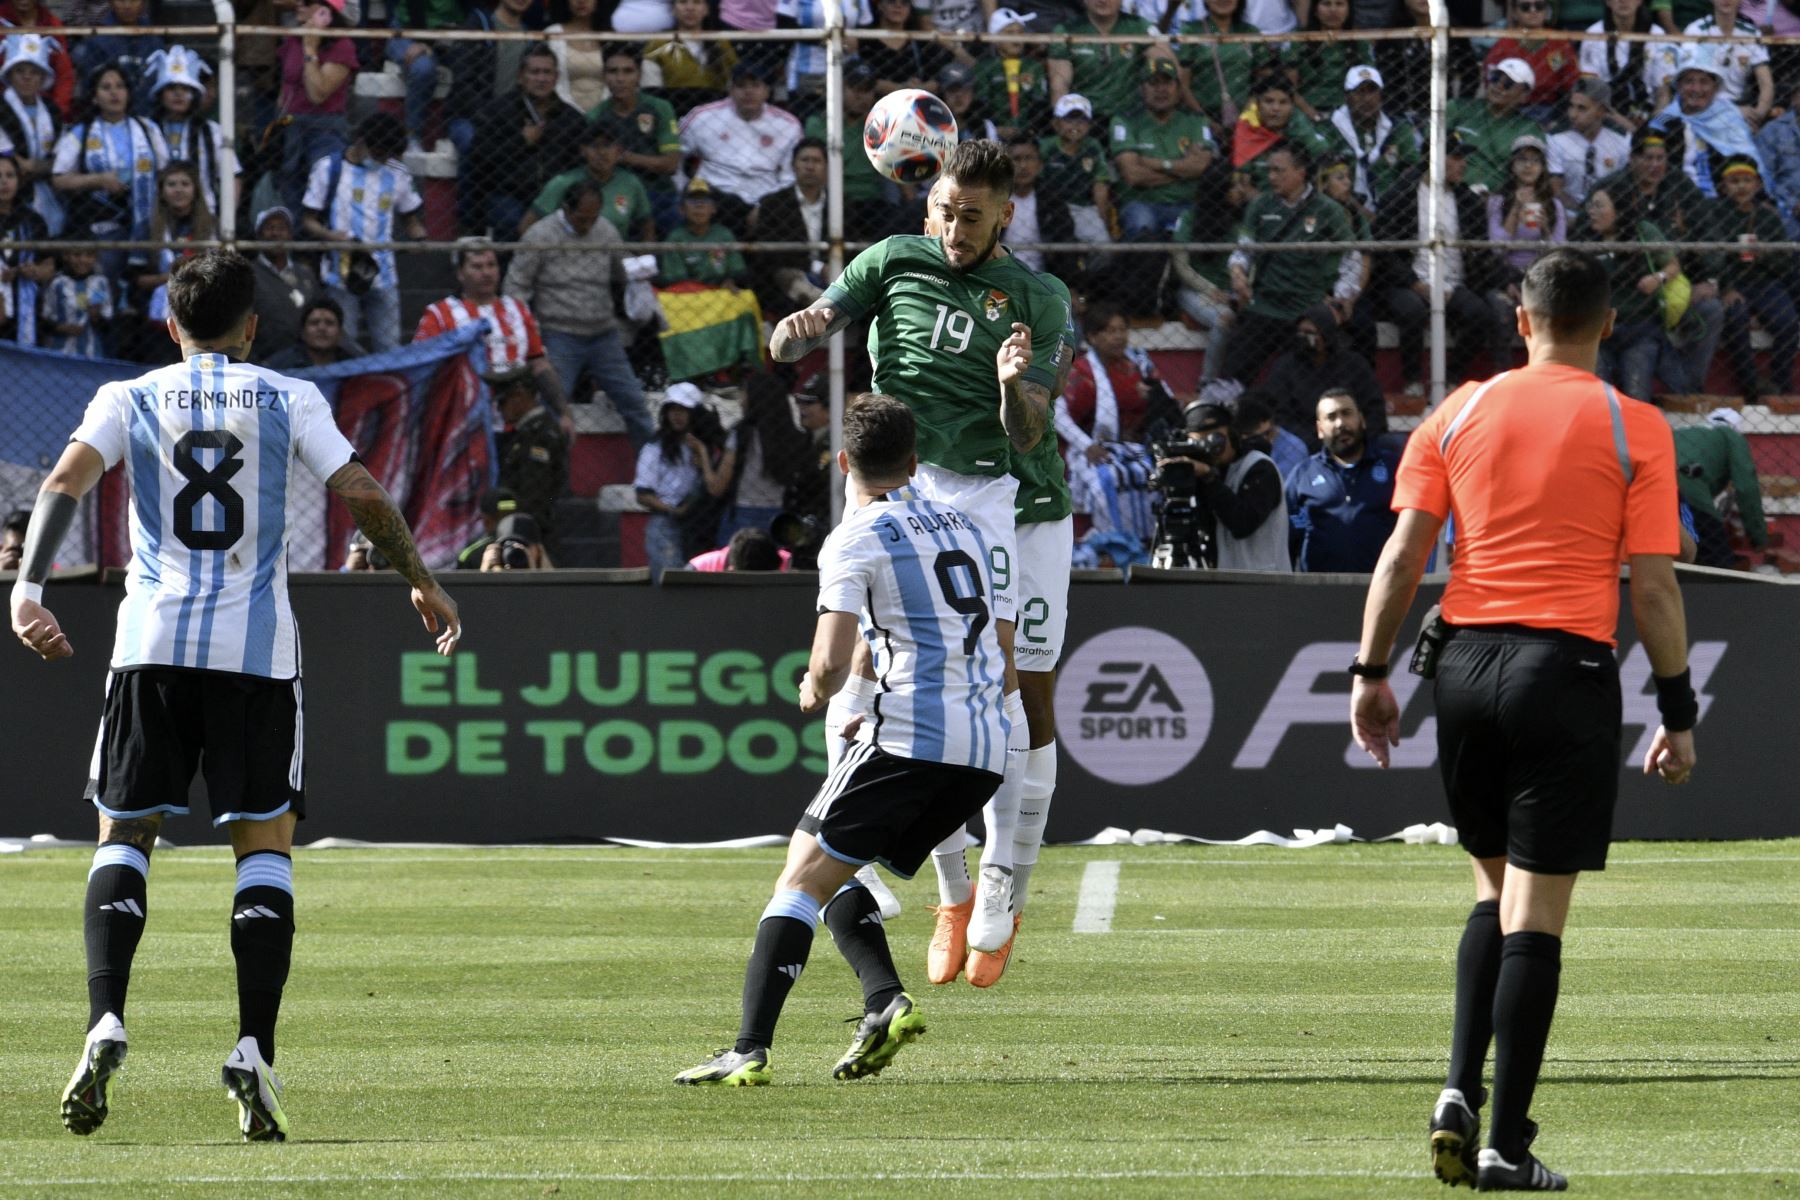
(112, 922)
(262, 941)
(784, 938)
(1477, 971)
(854, 918)
(1524, 1003)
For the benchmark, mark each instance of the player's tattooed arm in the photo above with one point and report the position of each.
(1024, 403)
(380, 520)
(799, 334)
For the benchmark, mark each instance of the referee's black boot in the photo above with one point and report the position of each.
(1527, 1175)
(1455, 1136)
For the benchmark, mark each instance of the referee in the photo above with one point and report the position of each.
(1554, 478)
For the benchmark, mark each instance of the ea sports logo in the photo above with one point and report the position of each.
(1133, 706)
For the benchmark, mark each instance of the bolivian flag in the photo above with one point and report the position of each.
(709, 329)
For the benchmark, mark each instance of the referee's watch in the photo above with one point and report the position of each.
(1368, 670)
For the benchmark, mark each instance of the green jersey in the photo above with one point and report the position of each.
(936, 333)
(623, 200)
(860, 179)
(1154, 140)
(1490, 138)
(1107, 74)
(649, 128)
(1071, 177)
(693, 263)
(1043, 486)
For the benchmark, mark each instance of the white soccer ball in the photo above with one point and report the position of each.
(909, 134)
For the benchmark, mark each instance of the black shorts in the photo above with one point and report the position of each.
(876, 807)
(161, 724)
(1529, 744)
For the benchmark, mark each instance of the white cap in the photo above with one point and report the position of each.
(1361, 74)
(27, 48)
(685, 394)
(1073, 102)
(1726, 416)
(1697, 57)
(1517, 70)
(1008, 16)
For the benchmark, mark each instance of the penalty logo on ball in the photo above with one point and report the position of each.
(908, 135)
(1133, 706)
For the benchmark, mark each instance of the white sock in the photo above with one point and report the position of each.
(1001, 814)
(854, 699)
(1034, 810)
(954, 884)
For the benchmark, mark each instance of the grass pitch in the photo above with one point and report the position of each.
(1257, 1023)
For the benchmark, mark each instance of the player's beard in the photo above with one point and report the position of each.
(985, 253)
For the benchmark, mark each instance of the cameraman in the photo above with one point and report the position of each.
(518, 545)
(1239, 489)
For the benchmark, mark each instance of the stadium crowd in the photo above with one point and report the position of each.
(695, 145)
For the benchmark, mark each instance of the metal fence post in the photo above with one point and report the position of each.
(834, 221)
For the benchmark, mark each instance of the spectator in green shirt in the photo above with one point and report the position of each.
(689, 258)
(1709, 458)
(1159, 154)
(1380, 147)
(862, 185)
(1268, 122)
(1491, 123)
(623, 200)
(1012, 87)
(1272, 290)
(1104, 73)
(1317, 69)
(645, 126)
(1751, 282)
(1219, 72)
(1078, 172)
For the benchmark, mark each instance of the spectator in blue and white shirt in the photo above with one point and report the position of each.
(78, 306)
(806, 63)
(373, 194)
(675, 473)
(1339, 501)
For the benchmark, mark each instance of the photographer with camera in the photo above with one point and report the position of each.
(518, 545)
(1219, 483)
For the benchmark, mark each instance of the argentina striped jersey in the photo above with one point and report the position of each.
(209, 447)
(917, 573)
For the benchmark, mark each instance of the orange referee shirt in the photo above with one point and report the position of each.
(1552, 485)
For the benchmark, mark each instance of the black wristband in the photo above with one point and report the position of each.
(1676, 701)
(1368, 670)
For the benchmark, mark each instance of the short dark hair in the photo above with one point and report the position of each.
(630, 50)
(17, 521)
(1251, 413)
(322, 302)
(1099, 315)
(980, 162)
(473, 244)
(809, 143)
(752, 550)
(1335, 393)
(211, 293)
(538, 50)
(600, 131)
(1569, 290)
(1295, 152)
(383, 135)
(1023, 139)
(879, 435)
(580, 190)
(1273, 82)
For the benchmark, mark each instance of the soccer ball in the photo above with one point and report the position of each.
(909, 134)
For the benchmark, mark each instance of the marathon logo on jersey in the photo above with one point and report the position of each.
(996, 305)
(1133, 706)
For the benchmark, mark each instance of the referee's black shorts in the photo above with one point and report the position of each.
(161, 724)
(1529, 744)
(877, 807)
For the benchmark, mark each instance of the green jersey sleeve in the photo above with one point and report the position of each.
(859, 289)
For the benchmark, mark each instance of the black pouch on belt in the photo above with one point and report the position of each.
(1432, 634)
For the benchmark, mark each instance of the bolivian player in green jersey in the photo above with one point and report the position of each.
(973, 342)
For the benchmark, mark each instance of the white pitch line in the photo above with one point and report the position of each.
(1099, 892)
(1051, 1176)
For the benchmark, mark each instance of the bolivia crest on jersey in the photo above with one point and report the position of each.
(996, 305)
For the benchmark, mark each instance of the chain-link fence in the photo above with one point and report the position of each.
(1244, 217)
